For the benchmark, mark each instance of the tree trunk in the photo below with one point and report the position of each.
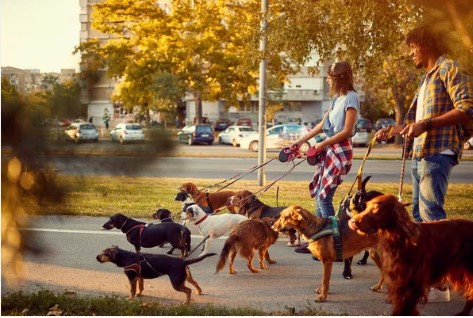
(198, 109)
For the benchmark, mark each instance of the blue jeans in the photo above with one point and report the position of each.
(429, 186)
(324, 207)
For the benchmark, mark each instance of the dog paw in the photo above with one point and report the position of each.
(291, 244)
(321, 299)
(233, 272)
(347, 276)
(254, 270)
(198, 292)
(361, 262)
(376, 288)
(318, 290)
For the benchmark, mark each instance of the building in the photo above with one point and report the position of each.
(305, 97)
(29, 80)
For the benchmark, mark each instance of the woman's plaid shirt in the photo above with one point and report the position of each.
(448, 87)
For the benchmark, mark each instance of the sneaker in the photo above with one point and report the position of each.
(439, 296)
(303, 248)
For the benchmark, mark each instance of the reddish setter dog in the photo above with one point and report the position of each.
(416, 256)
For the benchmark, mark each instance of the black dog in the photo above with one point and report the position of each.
(141, 234)
(357, 201)
(187, 201)
(163, 215)
(146, 266)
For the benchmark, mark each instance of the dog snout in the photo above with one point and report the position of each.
(108, 225)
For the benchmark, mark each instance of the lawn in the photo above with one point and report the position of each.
(140, 197)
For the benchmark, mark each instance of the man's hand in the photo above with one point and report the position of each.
(413, 130)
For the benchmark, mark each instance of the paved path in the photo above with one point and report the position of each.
(71, 244)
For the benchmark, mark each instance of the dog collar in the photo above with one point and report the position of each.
(201, 220)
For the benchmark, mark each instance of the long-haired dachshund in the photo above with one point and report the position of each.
(244, 239)
(146, 266)
(214, 200)
(308, 224)
(416, 256)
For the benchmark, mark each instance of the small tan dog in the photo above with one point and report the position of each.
(308, 224)
(245, 238)
(214, 200)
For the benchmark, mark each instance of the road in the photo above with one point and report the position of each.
(224, 168)
(69, 264)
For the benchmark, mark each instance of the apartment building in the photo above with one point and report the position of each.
(305, 96)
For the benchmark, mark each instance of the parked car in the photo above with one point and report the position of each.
(468, 144)
(364, 124)
(127, 132)
(78, 132)
(222, 124)
(361, 137)
(244, 122)
(278, 137)
(233, 134)
(194, 134)
(383, 123)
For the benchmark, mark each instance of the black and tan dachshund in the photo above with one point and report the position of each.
(141, 234)
(147, 266)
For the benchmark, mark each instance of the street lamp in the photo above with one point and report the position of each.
(262, 94)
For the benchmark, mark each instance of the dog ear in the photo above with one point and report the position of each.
(298, 212)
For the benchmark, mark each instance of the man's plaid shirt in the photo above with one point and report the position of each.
(448, 87)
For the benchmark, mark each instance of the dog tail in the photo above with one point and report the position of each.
(198, 259)
(231, 240)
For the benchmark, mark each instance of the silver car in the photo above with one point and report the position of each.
(78, 132)
(233, 134)
(127, 132)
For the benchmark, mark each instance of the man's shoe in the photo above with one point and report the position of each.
(439, 296)
(303, 248)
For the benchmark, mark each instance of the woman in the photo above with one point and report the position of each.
(339, 126)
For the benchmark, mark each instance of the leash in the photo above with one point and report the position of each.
(403, 168)
(205, 239)
(359, 178)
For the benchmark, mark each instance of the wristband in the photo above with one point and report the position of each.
(427, 124)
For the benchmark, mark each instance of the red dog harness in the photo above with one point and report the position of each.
(142, 227)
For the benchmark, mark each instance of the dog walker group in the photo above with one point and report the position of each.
(408, 254)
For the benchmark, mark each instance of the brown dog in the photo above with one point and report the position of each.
(245, 238)
(246, 203)
(308, 224)
(214, 200)
(416, 256)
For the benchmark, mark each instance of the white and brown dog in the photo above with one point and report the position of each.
(212, 226)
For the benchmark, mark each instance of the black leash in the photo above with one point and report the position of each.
(197, 247)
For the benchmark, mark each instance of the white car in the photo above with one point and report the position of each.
(233, 134)
(361, 138)
(78, 132)
(126, 132)
(278, 137)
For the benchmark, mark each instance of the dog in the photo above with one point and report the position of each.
(212, 226)
(416, 256)
(247, 237)
(163, 215)
(187, 200)
(140, 234)
(308, 224)
(214, 201)
(147, 266)
(356, 202)
(245, 203)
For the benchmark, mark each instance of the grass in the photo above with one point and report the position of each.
(43, 302)
(140, 197)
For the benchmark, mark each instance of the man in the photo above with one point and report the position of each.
(432, 125)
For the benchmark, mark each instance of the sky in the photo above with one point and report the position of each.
(39, 34)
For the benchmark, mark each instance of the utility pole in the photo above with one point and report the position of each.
(262, 94)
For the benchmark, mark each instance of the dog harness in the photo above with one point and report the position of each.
(331, 228)
(141, 227)
(138, 266)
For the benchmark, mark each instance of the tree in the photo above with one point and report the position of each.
(206, 46)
